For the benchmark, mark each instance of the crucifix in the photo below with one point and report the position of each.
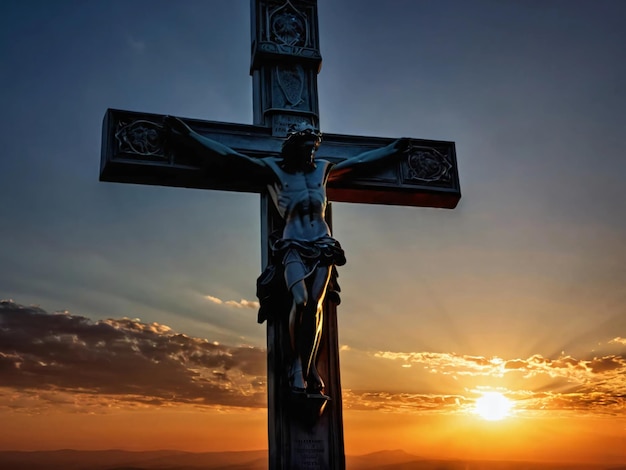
(284, 158)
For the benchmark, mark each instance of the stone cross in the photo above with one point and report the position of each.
(305, 432)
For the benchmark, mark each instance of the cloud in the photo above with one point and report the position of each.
(243, 303)
(596, 384)
(401, 402)
(60, 359)
(448, 363)
(124, 359)
(618, 340)
(581, 370)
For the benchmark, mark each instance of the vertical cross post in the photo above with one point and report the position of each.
(284, 67)
(305, 429)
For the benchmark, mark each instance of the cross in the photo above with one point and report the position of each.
(304, 428)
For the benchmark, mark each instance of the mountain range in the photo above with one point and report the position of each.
(249, 460)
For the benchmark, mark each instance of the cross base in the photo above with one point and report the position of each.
(307, 407)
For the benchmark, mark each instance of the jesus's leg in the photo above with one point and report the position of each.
(296, 375)
(312, 322)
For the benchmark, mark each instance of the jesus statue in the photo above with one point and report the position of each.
(303, 252)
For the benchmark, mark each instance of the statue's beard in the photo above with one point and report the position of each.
(303, 162)
(300, 158)
(310, 158)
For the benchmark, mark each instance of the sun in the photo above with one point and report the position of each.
(493, 406)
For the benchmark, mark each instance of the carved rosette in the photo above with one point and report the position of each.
(287, 29)
(428, 165)
(142, 138)
(288, 26)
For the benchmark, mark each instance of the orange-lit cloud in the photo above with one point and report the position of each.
(595, 384)
(393, 402)
(562, 366)
(243, 303)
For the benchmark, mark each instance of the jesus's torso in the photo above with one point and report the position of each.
(300, 198)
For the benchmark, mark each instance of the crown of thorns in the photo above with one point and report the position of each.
(301, 129)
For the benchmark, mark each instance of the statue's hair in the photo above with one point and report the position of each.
(299, 127)
(294, 130)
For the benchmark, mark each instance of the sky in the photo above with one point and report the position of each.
(128, 318)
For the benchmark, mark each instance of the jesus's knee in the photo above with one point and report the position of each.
(299, 294)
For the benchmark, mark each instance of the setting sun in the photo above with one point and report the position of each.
(493, 406)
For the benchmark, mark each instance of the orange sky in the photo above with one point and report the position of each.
(548, 436)
(70, 382)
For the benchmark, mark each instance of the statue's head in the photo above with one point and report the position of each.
(302, 142)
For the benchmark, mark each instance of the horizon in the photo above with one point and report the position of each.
(407, 456)
(493, 331)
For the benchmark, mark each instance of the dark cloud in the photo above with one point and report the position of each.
(607, 363)
(124, 358)
(515, 364)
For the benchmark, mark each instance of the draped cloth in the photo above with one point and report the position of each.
(303, 258)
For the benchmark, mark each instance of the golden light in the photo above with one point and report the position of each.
(493, 406)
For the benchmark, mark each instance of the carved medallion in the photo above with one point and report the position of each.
(428, 165)
(291, 82)
(288, 26)
(140, 137)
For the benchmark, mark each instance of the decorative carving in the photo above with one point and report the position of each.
(281, 49)
(282, 122)
(428, 165)
(290, 79)
(140, 137)
(288, 27)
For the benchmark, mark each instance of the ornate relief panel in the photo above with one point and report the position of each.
(428, 165)
(142, 139)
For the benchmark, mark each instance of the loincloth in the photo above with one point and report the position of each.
(301, 258)
(291, 262)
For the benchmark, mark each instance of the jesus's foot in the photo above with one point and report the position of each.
(296, 380)
(315, 384)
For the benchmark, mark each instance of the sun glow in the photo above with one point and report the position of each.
(493, 406)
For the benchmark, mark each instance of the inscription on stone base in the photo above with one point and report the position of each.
(310, 454)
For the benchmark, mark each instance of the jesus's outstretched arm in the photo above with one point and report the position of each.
(211, 150)
(370, 157)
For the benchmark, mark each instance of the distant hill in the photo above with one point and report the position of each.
(400, 460)
(126, 460)
(247, 460)
(377, 460)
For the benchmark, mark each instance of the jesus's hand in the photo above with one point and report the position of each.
(401, 145)
(174, 125)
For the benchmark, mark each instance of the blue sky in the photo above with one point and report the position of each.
(532, 262)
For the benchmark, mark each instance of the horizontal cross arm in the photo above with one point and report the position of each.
(426, 175)
(136, 150)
